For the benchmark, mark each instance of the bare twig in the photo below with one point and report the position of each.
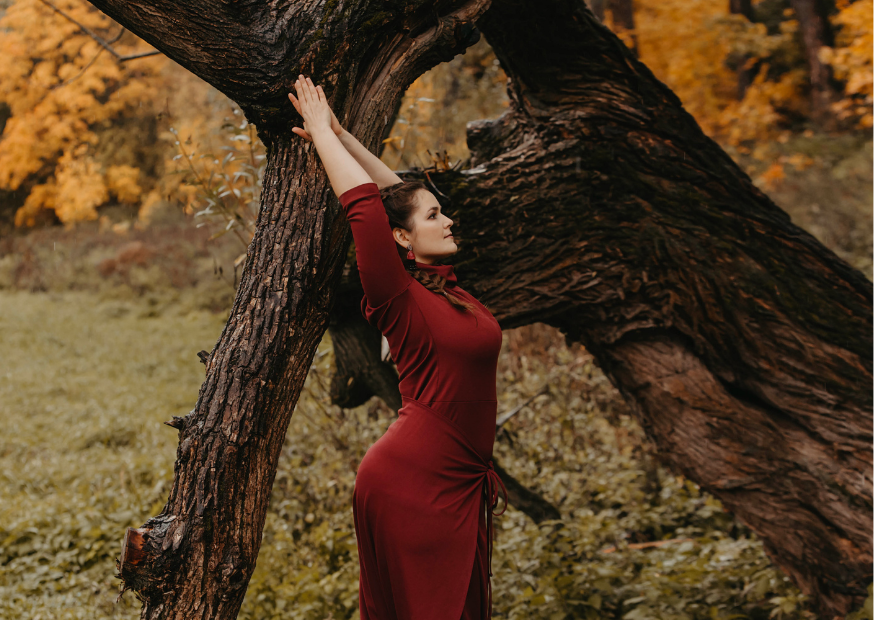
(646, 545)
(105, 44)
(91, 62)
(506, 416)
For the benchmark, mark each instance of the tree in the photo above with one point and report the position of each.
(64, 87)
(816, 32)
(744, 74)
(596, 204)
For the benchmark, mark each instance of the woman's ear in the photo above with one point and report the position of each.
(401, 237)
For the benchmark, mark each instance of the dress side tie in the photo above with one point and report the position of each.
(492, 487)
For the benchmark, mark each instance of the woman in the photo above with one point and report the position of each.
(426, 490)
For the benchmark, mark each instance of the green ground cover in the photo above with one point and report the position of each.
(86, 381)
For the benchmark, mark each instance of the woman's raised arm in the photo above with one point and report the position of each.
(381, 174)
(379, 265)
(344, 172)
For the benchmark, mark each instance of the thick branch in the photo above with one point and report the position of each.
(230, 443)
(596, 204)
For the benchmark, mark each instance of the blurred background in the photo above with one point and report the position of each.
(128, 193)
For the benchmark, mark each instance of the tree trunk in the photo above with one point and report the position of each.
(744, 74)
(816, 31)
(743, 344)
(195, 559)
(597, 8)
(360, 372)
(597, 205)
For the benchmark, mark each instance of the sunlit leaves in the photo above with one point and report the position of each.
(851, 59)
(61, 88)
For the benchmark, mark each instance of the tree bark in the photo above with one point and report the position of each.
(195, 559)
(595, 204)
(743, 344)
(360, 372)
(597, 8)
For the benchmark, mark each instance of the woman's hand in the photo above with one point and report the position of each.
(312, 105)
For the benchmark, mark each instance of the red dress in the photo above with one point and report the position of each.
(425, 490)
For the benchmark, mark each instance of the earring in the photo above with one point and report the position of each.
(411, 266)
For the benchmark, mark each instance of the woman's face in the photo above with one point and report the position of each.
(430, 235)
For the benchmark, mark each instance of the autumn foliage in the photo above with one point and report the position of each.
(86, 131)
(81, 126)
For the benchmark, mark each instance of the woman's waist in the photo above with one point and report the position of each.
(475, 420)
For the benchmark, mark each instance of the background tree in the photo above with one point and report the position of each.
(80, 131)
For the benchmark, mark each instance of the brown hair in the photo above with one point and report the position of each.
(399, 201)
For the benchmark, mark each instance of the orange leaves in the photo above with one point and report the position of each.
(80, 187)
(851, 60)
(775, 174)
(771, 177)
(697, 48)
(61, 86)
(122, 181)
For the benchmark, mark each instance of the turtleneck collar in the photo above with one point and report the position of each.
(447, 271)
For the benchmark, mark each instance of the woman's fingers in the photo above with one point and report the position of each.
(302, 90)
(303, 134)
(312, 104)
(294, 102)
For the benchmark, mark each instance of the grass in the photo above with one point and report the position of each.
(84, 385)
(87, 380)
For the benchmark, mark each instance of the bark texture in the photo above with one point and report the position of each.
(195, 559)
(594, 204)
(597, 205)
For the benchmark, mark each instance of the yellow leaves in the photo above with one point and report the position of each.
(122, 181)
(755, 118)
(80, 187)
(689, 54)
(40, 197)
(696, 47)
(60, 86)
(851, 60)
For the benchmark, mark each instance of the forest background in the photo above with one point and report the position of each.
(128, 193)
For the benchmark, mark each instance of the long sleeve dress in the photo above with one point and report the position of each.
(425, 491)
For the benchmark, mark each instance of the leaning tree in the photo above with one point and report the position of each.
(594, 204)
